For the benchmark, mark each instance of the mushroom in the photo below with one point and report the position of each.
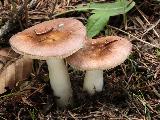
(98, 55)
(52, 41)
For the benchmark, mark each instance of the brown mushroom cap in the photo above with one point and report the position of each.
(55, 38)
(101, 53)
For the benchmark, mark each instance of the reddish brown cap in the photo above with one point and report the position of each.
(55, 38)
(101, 53)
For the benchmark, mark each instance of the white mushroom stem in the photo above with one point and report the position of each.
(60, 82)
(93, 81)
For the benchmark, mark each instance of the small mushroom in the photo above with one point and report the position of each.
(52, 41)
(98, 55)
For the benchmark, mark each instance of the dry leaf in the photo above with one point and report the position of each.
(13, 68)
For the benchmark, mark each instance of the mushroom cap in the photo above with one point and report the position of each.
(55, 38)
(102, 53)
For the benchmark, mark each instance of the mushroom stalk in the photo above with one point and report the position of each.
(93, 81)
(60, 82)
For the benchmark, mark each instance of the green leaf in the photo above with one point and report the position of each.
(96, 23)
(115, 8)
(102, 12)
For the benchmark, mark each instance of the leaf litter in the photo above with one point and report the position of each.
(131, 91)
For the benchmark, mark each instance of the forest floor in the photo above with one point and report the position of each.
(131, 90)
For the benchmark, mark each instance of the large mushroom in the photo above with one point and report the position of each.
(98, 55)
(52, 41)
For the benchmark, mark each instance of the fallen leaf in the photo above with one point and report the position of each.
(13, 68)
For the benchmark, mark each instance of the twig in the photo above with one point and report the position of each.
(156, 92)
(9, 63)
(150, 85)
(40, 88)
(124, 71)
(32, 4)
(72, 10)
(26, 12)
(19, 113)
(73, 116)
(10, 25)
(152, 27)
(134, 37)
(5, 29)
(2, 118)
(157, 71)
(147, 20)
(15, 14)
(54, 6)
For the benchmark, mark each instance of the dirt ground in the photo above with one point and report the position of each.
(131, 90)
